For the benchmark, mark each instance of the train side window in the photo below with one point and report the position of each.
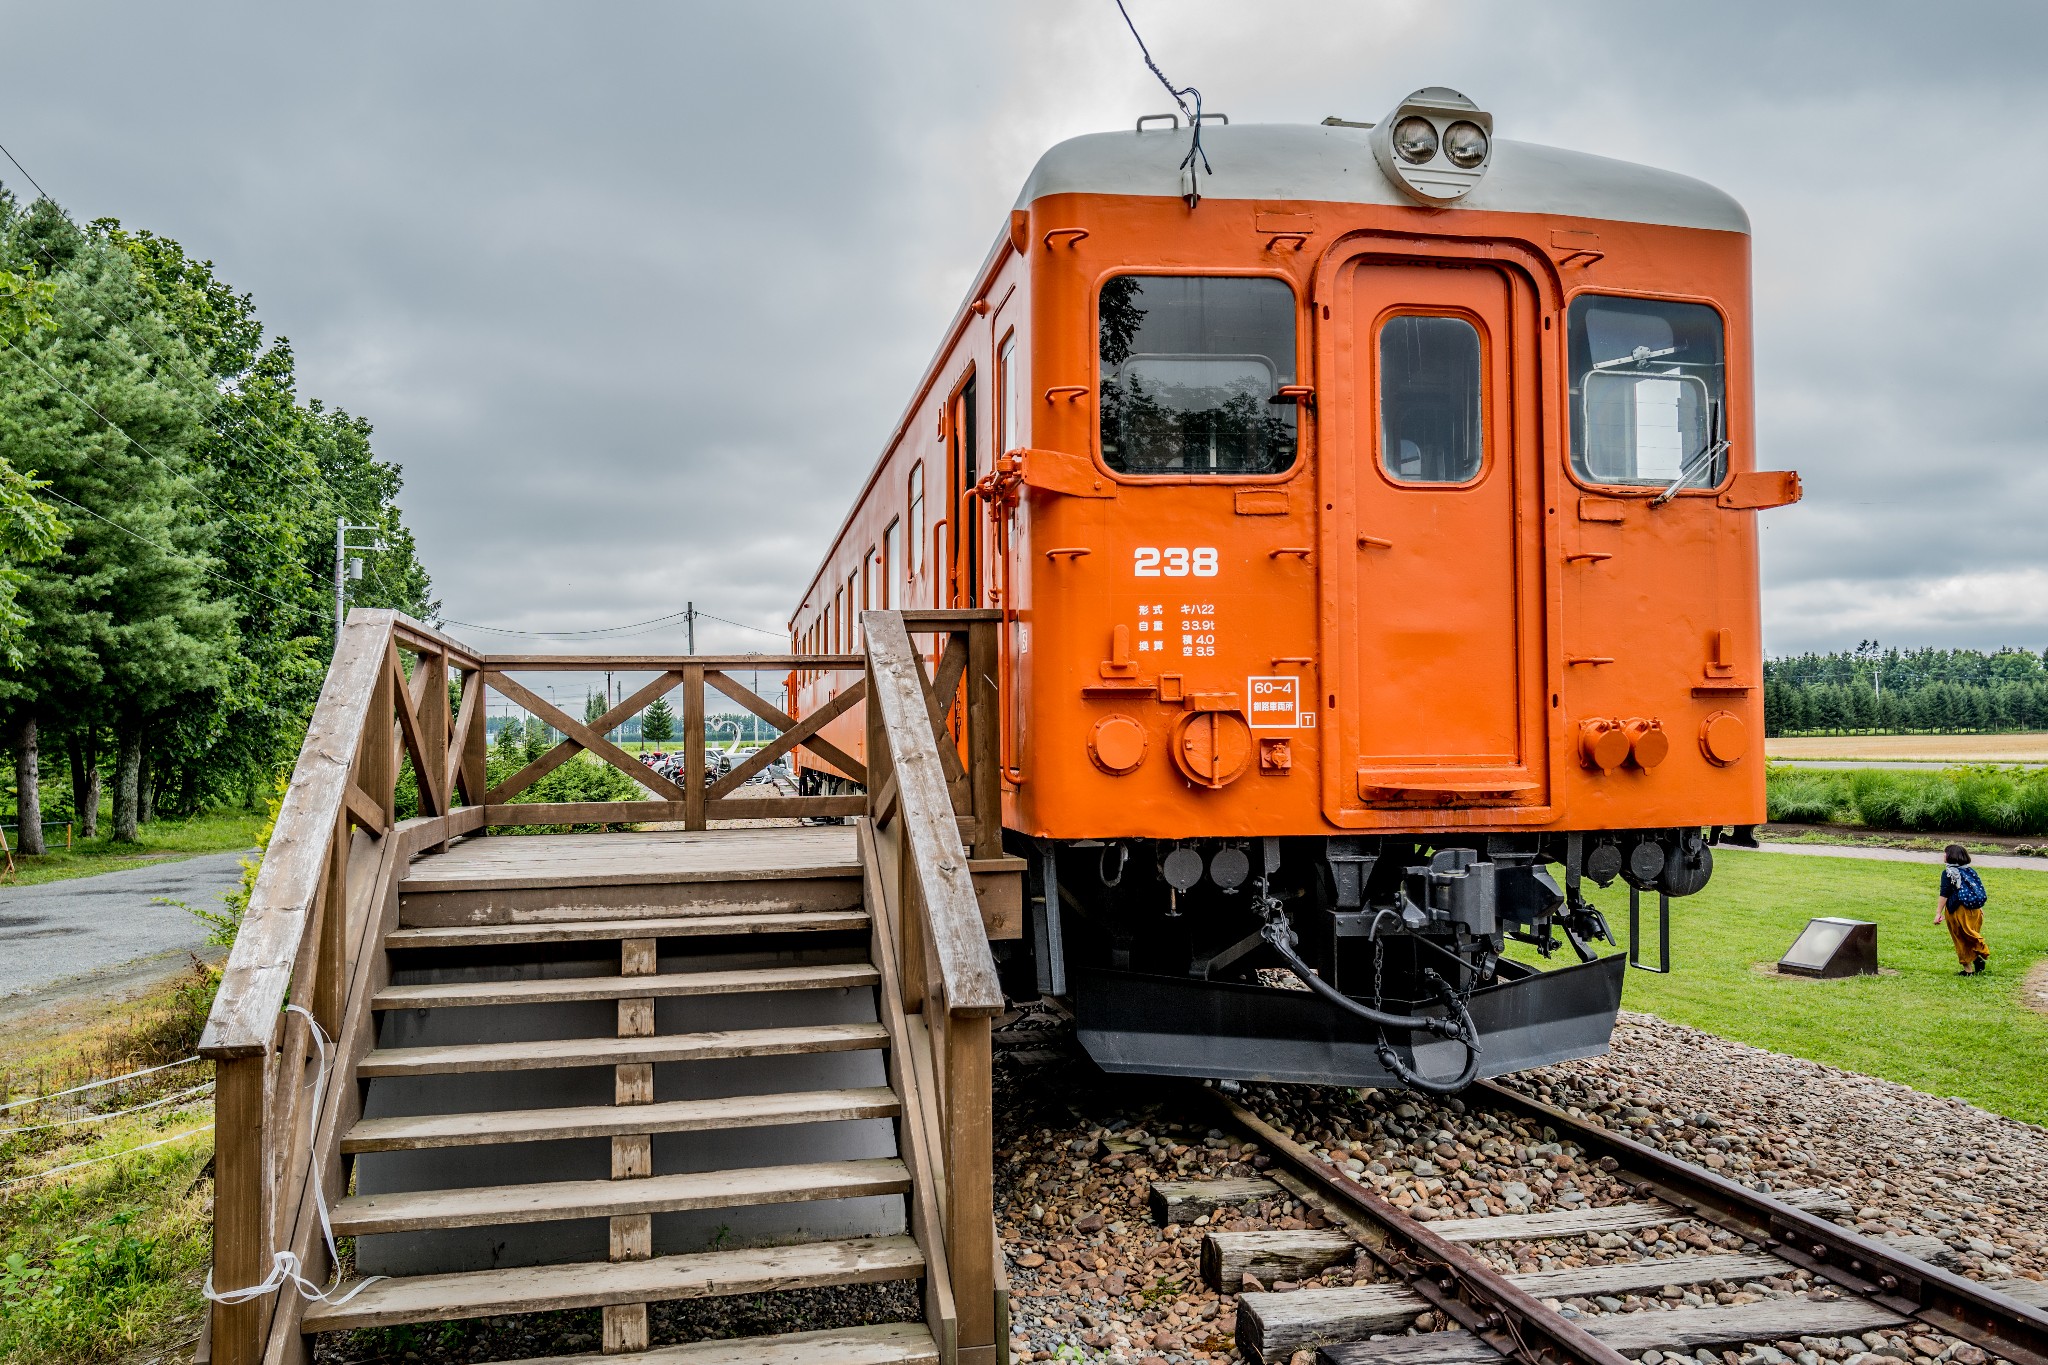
(1648, 391)
(915, 563)
(1430, 389)
(1007, 386)
(892, 566)
(1191, 372)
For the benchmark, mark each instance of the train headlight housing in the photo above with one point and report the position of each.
(1466, 144)
(1415, 140)
(1436, 145)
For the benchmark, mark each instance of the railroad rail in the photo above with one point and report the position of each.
(1498, 1318)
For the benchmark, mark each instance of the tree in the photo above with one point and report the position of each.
(657, 722)
(186, 609)
(510, 742)
(126, 622)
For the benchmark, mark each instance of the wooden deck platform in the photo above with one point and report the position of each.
(501, 862)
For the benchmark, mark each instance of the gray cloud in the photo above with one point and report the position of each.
(635, 293)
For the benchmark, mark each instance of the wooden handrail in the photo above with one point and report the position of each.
(258, 975)
(967, 969)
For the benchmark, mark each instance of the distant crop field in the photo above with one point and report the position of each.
(2022, 748)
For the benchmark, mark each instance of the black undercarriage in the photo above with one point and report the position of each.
(1352, 960)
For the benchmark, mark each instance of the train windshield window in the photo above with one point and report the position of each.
(1191, 370)
(1648, 382)
(1430, 382)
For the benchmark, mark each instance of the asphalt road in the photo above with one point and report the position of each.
(66, 929)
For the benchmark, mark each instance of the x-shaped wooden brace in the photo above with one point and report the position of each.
(581, 736)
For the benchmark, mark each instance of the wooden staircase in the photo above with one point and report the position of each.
(616, 1070)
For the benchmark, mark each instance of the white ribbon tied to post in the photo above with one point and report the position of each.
(285, 1266)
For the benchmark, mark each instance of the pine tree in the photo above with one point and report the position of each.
(103, 405)
(657, 722)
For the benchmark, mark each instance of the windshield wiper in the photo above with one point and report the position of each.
(1692, 468)
(1640, 355)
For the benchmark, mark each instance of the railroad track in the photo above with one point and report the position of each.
(1430, 1268)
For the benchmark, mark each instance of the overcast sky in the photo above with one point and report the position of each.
(634, 293)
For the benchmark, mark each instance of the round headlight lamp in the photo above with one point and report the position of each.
(1436, 145)
(1415, 140)
(1465, 143)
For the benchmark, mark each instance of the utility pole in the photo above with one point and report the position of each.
(690, 627)
(347, 567)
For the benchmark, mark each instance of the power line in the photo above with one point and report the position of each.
(593, 630)
(274, 465)
(1194, 115)
(123, 434)
(238, 585)
(777, 634)
(636, 627)
(24, 170)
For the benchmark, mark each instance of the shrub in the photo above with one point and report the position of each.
(1795, 798)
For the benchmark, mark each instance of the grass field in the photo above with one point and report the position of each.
(101, 1263)
(214, 833)
(1919, 1024)
(2021, 748)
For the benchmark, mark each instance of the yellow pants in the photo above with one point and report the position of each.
(1966, 927)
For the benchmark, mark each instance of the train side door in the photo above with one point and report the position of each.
(963, 457)
(1430, 455)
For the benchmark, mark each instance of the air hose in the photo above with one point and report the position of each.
(1461, 1027)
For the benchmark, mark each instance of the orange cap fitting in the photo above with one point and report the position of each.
(1212, 748)
(1723, 738)
(1117, 744)
(1648, 745)
(1603, 744)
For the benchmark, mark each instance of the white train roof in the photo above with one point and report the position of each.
(1288, 161)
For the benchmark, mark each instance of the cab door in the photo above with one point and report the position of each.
(1430, 452)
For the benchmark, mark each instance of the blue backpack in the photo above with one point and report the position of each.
(1970, 894)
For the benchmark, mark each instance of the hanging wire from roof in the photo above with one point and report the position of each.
(1181, 94)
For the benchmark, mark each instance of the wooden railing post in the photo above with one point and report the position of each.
(942, 955)
(475, 739)
(430, 684)
(331, 972)
(693, 746)
(984, 738)
(970, 1184)
(241, 1207)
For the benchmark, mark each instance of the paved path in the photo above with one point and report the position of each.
(1891, 855)
(70, 928)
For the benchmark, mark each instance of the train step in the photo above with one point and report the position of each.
(488, 1127)
(558, 1053)
(454, 994)
(400, 1300)
(495, 1205)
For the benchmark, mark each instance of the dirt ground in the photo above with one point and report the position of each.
(2022, 748)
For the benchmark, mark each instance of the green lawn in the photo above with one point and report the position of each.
(1970, 1037)
(212, 833)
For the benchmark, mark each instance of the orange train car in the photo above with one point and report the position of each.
(1373, 520)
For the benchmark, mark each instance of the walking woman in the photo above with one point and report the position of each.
(1962, 909)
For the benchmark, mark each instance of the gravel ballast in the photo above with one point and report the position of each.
(1093, 1277)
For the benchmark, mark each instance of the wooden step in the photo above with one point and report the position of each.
(569, 1052)
(558, 989)
(491, 1205)
(407, 1133)
(889, 1343)
(571, 931)
(593, 1284)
